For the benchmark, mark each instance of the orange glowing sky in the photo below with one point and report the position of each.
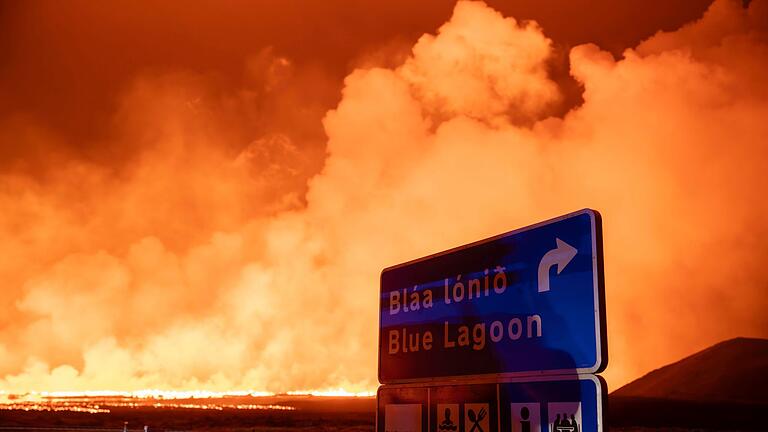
(199, 196)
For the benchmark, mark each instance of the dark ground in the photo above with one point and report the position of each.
(625, 414)
(703, 392)
(311, 413)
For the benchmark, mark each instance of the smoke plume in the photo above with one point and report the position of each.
(197, 264)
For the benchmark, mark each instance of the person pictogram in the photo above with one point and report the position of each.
(447, 424)
(525, 422)
(476, 419)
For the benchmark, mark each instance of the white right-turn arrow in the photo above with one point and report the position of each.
(560, 256)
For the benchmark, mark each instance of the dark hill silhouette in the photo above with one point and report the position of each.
(735, 370)
(724, 387)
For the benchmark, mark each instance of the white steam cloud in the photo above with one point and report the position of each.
(162, 278)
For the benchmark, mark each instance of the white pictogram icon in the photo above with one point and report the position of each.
(564, 416)
(447, 417)
(476, 417)
(402, 418)
(526, 417)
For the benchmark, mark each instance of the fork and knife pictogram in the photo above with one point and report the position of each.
(476, 419)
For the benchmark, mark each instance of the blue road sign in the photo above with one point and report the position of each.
(529, 404)
(527, 302)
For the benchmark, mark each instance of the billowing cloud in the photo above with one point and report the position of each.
(481, 65)
(171, 273)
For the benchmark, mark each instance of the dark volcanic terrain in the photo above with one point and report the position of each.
(310, 413)
(722, 388)
(735, 370)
